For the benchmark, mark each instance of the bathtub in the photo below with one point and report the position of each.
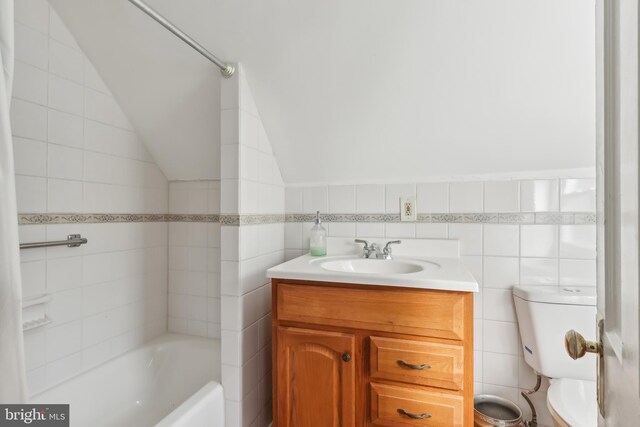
(170, 381)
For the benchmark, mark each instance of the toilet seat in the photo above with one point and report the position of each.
(573, 403)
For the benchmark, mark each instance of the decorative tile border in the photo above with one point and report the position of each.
(191, 218)
(585, 218)
(458, 218)
(261, 219)
(67, 218)
(579, 218)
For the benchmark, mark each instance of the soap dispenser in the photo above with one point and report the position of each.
(318, 238)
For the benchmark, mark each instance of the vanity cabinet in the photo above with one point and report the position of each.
(317, 377)
(367, 355)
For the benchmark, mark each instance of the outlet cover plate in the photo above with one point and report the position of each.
(408, 209)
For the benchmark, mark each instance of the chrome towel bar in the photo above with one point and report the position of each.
(73, 241)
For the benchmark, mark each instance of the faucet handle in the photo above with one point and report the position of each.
(366, 250)
(387, 247)
(366, 244)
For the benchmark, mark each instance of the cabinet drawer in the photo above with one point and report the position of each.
(417, 312)
(418, 362)
(392, 406)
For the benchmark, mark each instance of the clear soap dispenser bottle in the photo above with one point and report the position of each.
(318, 238)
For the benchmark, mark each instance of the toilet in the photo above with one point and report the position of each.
(545, 314)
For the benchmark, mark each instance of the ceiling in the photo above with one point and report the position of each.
(358, 90)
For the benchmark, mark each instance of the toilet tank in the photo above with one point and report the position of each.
(545, 314)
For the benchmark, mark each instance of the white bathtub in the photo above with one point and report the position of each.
(169, 381)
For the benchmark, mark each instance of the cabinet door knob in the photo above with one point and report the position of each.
(413, 416)
(346, 357)
(411, 366)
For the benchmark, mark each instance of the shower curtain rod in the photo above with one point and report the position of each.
(226, 69)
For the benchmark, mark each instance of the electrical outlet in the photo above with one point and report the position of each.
(408, 209)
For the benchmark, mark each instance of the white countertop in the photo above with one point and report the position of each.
(445, 272)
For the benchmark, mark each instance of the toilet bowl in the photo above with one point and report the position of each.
(545, 314)
(573, 402)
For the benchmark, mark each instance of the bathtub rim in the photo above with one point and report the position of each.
(184, 407)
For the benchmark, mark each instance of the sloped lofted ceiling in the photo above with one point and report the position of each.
(358, 90)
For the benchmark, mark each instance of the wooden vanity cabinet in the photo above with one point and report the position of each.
(347, 355)
(316, 386)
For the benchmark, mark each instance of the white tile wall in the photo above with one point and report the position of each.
(248, 251)
(61, 122)
(394, 192)
(539, 241)
(499, 255)
(577, 195)
(432, 197)
(315, 199)
(111, 294)
(502, 196)
(370, 198)
(342, 198)
(466, 197)
(194, 260)
(194, 197)
(111, 291)
(501, 240)
(539, 195)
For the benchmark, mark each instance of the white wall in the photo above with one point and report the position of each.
(499, 255)
(75, 152)
(194, 260)
(179, 90)
(359, 90)
(251, 184)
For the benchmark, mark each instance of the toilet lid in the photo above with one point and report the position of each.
(574, 401)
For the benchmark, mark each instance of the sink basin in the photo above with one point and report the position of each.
(376, 266)
(417, 263)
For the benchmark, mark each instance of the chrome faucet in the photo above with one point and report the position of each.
(366, 250)
(373, 249)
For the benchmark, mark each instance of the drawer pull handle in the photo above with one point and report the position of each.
(413, 416)
(346, 357)
(410, 366)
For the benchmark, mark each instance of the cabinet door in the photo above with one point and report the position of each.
(315, 378)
